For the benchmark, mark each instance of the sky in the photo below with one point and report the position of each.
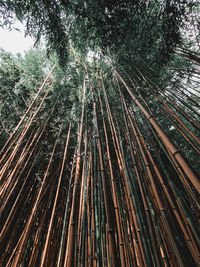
(14, 41)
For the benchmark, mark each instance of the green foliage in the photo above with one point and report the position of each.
(128, 30)
(10, 101)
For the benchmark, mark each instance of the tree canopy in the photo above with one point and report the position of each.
(154, 27)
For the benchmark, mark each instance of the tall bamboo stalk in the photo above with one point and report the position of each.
(175, 152)
(69, 256)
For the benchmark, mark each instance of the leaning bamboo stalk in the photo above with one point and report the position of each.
(161, 208)
(177, 119)
(176, 167)
(11, 182)
(26, 150)
(169, 110)
(29, 108)
(14, 172)
(18, 138)
(193, 240)
(181, 111)
(20, 246)
(13, 209)
(191, 201)
(184, 230)
(188, 96)
(39, 224)
(5, 157)
(35, 221)
(8, 159)
(9, 246)
(45, 250)
(167, 142)
(28, 127)
(182, 102)
(175, 96)
(187, 239)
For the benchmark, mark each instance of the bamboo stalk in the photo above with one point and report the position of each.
(167, 142)
(45, 251)
(69, 256)
(22, 241)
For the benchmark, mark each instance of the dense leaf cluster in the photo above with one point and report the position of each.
(127, 30)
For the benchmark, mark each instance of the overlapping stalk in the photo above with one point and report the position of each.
(123, 195)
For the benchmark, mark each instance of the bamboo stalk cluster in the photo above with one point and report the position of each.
(123, 195)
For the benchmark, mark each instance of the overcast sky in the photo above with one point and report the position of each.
(14, 41)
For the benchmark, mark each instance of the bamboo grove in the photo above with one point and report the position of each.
(110, 186)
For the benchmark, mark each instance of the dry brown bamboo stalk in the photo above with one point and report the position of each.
(8, 220)
(175, 211)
